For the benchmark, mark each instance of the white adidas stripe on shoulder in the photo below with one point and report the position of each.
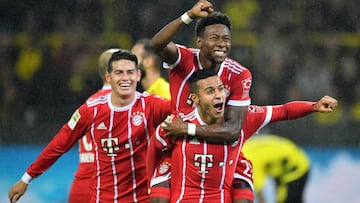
(98, 100)
(190, 116)
(234, 66)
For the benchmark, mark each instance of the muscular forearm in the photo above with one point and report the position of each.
(165, 35)
(227, 132)
(161, 39)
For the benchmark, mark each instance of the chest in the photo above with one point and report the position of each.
(117, 130)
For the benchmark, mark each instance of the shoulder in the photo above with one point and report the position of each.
(188, 114)
(187, 50)
(97, 100)
(234, 66)
(151, 98)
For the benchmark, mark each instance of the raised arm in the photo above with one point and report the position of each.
(161, 41)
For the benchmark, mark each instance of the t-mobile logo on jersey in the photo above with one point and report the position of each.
(110, 145)
(203, 161)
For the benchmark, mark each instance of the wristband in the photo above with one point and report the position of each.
(26, 178)
(186, 18)
(191, 129)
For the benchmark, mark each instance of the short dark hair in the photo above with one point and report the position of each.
(215, 17)
(122, 54)
(199, 75)
(149, 51)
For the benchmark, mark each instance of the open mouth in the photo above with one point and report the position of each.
(125, 85)
(220, 53)
(219, 107)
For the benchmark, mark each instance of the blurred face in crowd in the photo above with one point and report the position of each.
(138, 50)
(214, 44)
(123, 78)
(210, 99)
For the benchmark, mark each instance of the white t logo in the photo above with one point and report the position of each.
(110, 145)
(203, 161)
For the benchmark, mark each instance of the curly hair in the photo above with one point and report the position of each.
(215, 17)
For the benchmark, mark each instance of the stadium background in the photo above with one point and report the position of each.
(296, 50)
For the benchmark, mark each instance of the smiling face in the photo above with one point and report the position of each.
(123, 79)
(210, 99)
(214, 44)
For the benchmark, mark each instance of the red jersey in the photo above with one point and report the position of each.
(235, 77)
(256, 118)
(81, 185)
(200, 171)
(259, 116)
(120, 137)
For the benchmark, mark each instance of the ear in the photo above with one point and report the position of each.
(107, 77)
(194, 98)
(198, 41)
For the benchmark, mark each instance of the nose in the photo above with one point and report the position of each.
(125, 76)
(219, 94)
(220, 43)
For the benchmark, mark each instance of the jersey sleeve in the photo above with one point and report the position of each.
(160, 108)
(158, 146)
(292, 110)
(256, 118)
(160, 141)
(68, 135)
(184, 52)
(240, 89)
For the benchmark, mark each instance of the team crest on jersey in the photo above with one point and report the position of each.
(74, 119)
(255, 109)
(164, 167)
(137, 118)
(246, 84)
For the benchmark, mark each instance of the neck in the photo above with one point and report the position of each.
(121, 100)
(207, 64)
(208, 119)
(150, 78)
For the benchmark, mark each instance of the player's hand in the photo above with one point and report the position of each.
(201, 9)
(175, 127)
(17, 190)
(326, 104)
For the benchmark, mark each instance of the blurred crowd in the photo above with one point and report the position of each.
(296, 50)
